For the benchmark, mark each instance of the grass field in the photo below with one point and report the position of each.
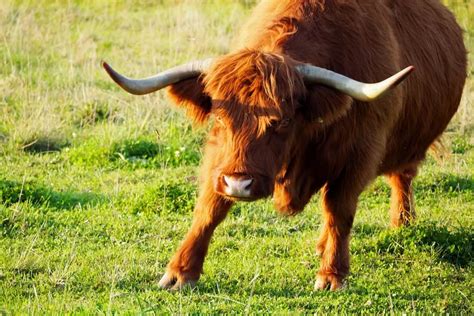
(97, 187)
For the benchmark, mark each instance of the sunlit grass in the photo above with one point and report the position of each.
(97, 186)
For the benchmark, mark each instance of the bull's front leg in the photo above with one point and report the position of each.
(186, 265)
(339, 208)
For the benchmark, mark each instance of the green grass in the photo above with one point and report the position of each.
(97, 187)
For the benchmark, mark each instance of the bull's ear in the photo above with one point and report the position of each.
(190, 95)
(326, 105)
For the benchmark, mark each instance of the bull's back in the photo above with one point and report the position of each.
(431, 40)
(369, 40)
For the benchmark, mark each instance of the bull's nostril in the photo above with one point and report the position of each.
(239, 186)
(226, 180)
(250, 181)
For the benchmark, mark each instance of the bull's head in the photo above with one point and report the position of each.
(258, 101)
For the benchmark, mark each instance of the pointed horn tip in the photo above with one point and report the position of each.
(403, 74)
(107, 67)
(114, 75)
(408, 70)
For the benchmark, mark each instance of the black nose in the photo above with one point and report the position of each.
(237, 185)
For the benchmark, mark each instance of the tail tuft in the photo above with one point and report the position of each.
(438, 149)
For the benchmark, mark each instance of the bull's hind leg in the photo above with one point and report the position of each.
(186, 265)
(402, 208)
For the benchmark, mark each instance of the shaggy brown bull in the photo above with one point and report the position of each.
(286, 127)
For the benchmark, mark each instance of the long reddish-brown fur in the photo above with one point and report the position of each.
(333, 143)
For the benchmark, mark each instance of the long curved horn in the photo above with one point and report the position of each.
(358, 90)
(160, 80)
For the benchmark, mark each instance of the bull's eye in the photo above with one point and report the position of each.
(274, 123)
(280, 124)
(284, 123)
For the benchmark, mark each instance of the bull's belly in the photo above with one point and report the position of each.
(411, 139)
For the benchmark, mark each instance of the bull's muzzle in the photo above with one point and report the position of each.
(237, 186)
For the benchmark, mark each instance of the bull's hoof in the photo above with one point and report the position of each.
(329, 281)
(173, 282)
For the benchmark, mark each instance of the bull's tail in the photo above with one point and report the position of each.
(438, 149)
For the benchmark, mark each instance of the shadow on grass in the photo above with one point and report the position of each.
(454, 246)
(143, 152)
(41, 145)
(447, 183)
(13, 192)
(366, 230)
(29, 271)
(172, 196)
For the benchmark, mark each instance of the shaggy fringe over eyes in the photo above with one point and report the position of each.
(266, 83)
